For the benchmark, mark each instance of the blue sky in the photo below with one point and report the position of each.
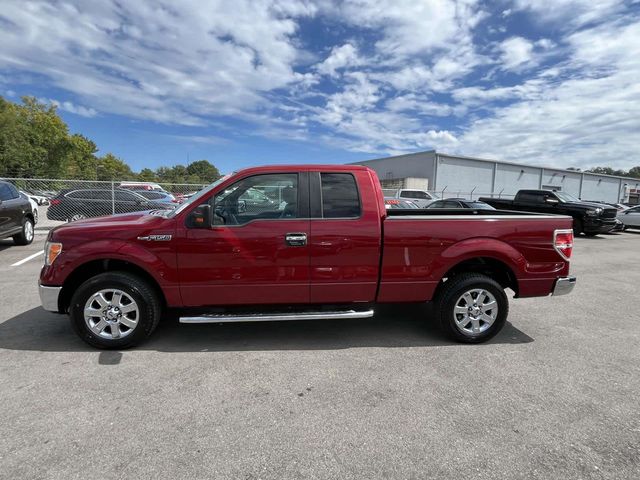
(553, 82)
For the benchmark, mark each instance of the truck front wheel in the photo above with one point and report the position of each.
(472, 308)
(114, 310)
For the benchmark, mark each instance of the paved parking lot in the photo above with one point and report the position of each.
(555, 395)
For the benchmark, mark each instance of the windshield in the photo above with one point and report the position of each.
(480, 206)
(565, 197)
(197, 195)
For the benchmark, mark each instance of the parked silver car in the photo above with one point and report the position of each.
(630, 217)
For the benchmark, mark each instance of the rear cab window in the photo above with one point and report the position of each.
(340, 197)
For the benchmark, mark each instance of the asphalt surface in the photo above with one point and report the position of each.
(555, 395)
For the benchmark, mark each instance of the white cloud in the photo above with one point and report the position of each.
(570, 12)
(173, 63)
(70, 107)
(339, 58)
(588, 118)
(400, 75)
(421, 105)
(411, 27)
(516, 51)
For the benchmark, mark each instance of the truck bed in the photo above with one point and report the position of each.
(421, 246)
(458, 212)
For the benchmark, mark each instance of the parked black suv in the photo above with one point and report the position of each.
(588, 218)
(70, 205)
(16, 216)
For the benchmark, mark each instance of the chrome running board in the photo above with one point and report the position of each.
(277, 317)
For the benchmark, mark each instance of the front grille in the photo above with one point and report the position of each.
(609, 213)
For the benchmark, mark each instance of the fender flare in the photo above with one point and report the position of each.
(479, 247)
(109, 249)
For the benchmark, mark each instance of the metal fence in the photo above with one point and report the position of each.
(468, 195)
(57, 201)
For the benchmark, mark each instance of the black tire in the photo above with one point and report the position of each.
(149, 307)
(591, 234)
(25, 237)
(447, 299)
(577, 227)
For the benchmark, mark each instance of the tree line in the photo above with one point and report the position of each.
(36, 143)
(633, 172)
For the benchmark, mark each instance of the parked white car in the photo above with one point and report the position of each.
(421, 198)
(34, 206)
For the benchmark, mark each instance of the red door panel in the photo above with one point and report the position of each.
(248, 264)
(345, 252)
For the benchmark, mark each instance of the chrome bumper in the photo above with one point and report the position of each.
(49, 297)
(564, 286)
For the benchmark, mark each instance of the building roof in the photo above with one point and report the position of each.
(544, 167)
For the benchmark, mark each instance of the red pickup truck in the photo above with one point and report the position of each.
(298, 243)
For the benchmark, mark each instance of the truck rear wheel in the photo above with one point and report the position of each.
(115, 310)
(472, 308)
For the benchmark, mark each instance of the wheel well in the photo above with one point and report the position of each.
(95, 267)
(491, 267)
(29, 216)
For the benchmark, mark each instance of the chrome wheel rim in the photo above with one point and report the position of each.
(28, 231)
(77, 216)
(111, 314)
(475, 311)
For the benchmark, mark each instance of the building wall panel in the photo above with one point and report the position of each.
(561, 180)
(603, 189)
(463, 175)
(511, 178)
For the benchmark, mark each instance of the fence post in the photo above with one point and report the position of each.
(113, 198)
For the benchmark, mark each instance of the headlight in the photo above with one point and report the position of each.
(51, 252)
(595, 212)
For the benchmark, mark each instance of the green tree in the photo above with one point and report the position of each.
(606, 171)
(147, 175)
(81, 161)
(203, 171)
(635, 172)
(35, 143)
(34, 140)
(111, 167)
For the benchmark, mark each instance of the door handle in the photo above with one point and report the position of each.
(296, 239)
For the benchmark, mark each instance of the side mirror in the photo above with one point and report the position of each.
(551, 200)
(200, 217)
(242, 206)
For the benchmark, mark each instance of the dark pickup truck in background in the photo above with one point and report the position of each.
(588, 218)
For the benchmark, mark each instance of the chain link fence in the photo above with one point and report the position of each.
(57, 201)
(469, 195)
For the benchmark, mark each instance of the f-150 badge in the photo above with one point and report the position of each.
(156, 238)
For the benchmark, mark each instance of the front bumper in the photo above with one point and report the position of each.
(599, 225)
(564, 285)
(49, 297)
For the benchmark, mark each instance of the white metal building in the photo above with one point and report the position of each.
(453, 175)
